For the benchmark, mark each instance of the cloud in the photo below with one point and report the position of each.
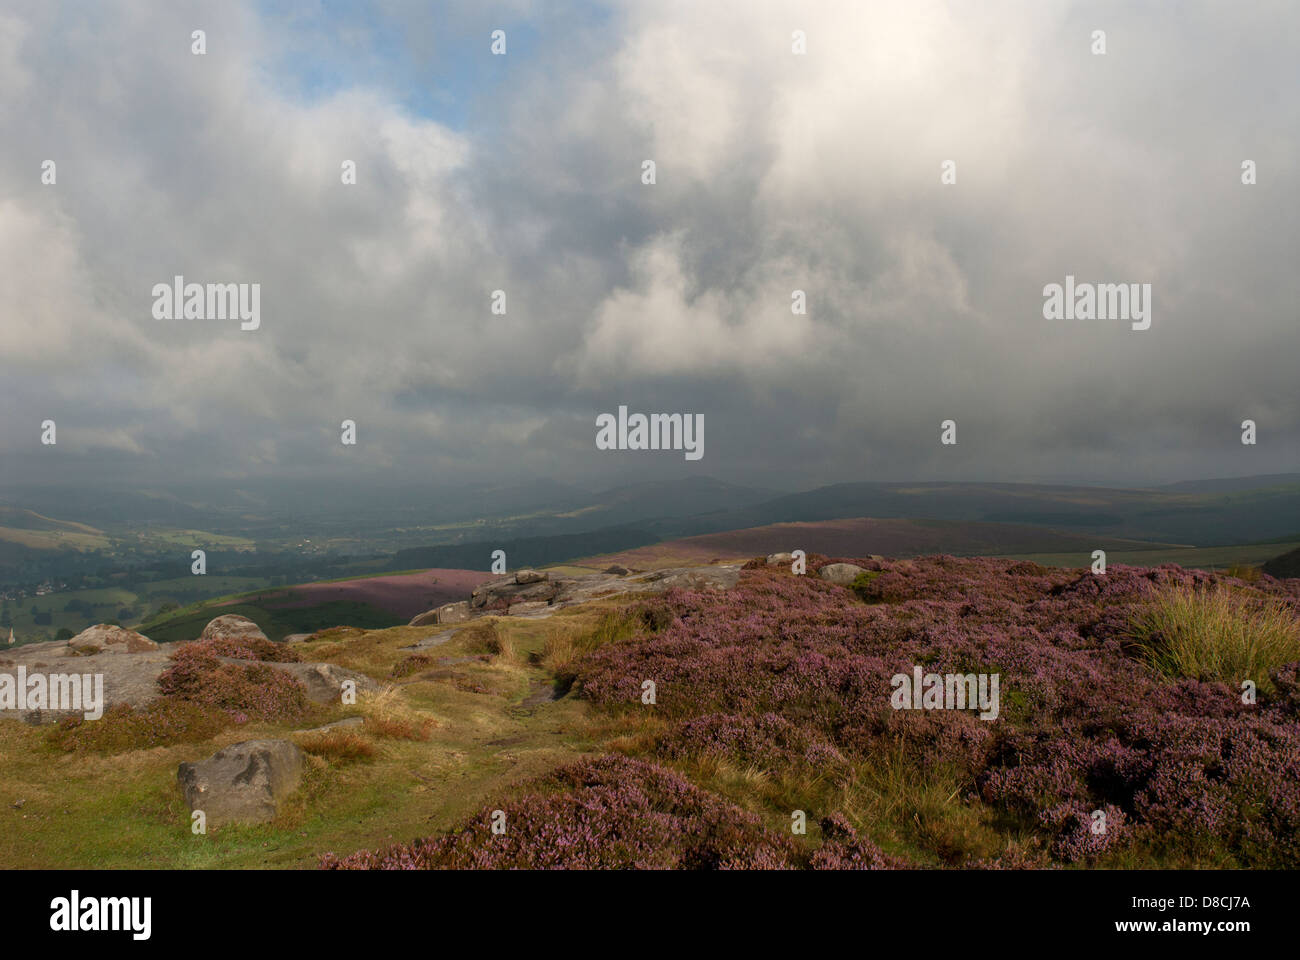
(776, 172)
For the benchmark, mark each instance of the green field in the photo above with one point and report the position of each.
(277, 624)
(107, 603)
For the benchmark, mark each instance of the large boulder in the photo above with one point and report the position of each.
(500, 594)
(457, 612)
(424, 619)
(780, 558)
(530, 576)
(231, 626)
(242, 783)
(107, 638)
(695, 578)
(841, 573)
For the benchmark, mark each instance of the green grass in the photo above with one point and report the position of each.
(275, 623)
(1217, 634)
(378, 786)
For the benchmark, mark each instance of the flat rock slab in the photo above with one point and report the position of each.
(242, 783)
(343, 724)
(432, 640)
(130, 678)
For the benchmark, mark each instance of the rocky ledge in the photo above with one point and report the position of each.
(533, 593)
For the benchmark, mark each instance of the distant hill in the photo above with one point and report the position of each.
(863, 536)
(27, 528)
(1287, 565)
(1202, 519)
(1230, 484)
(525, 552)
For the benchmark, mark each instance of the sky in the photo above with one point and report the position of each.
(775, 171)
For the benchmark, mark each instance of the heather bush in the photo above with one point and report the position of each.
(789, 676)
(864, 586)
(784, 663)
(247, 648)
(1217, 634)
(160, 723)
(618, 813)
(243, 691)
(409, 665)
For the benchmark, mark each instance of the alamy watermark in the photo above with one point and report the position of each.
(658, 431)
(77, 913)
(952, 691)
(179, 300)
(1098, 301)
(73, 692)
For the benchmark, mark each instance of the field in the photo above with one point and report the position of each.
(864, 536)
(402, 595)
(371, 602)
(490, 730)
(77, 609)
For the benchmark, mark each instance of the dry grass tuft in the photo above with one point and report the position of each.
(1217, 634)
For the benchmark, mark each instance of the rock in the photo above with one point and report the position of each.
(324, 681)
(457, 612)
(780, 558)
(698, 578)
(617, 570)
(530, 576)
(107, 638)
(232, 626)
(841, 573)
(336, 725)
(297, 638)
(500, 594)
(243, 783)
(130, 678)
(527, 608)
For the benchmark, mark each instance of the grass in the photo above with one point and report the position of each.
(460, 724)
(342, 745)
(1217, 634)
(428, 754)
(568, 640)
(275, 623)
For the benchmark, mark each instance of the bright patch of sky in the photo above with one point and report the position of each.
(434, 62)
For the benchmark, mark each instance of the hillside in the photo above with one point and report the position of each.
(773, 693)
(863, 536)
(1286, 565)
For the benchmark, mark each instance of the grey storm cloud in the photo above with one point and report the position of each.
(775, 172)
